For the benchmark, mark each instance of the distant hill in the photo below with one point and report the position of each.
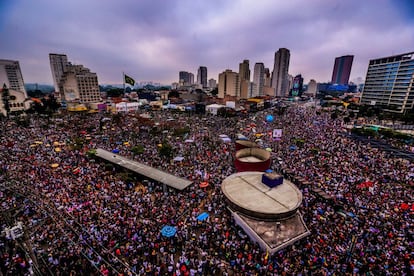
(44, 88)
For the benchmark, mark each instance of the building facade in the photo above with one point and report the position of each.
(212, 83)
(342, 69)
(258, 79)
(244, 75)
(312, 88)
(186, 78)
(297, 87)
(228, 84)
(58, 63)
(202, 76)
(389, 83)
(280, 73)
(79, 84)
(11, 75)
(17, 101)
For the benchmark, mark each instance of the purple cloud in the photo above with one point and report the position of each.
(153, 40)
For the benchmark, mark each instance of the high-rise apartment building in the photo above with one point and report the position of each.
(389, 83)
(212, 83)
(244, 75)
(244, 70)
(267, 87)
(186, 78)
(312, 87)
(73, 83)
(11, 75)
(342, 69)
(228, 84)
(258, 79)
(79, 84)
(58, 63)
(267, 78)
(280, 73)
(202, 76)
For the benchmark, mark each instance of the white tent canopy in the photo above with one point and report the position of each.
(213, 108)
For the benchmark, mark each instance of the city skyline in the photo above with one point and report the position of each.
(154, 40)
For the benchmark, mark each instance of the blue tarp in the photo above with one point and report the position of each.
(202, 216)
(168, 231)
(115, 150)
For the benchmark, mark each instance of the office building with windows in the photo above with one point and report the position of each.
(228, 84)
(11, 75)
(58, 63)
(202, 76)
(280, 81)
(244, 75)
(212, 83)
(342, 69)
(185, 78)
(78, 84)
(258, 79)
(389, 83)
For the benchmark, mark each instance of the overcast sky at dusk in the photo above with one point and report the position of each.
(152, 40)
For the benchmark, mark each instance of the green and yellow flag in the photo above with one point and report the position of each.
(129, 80)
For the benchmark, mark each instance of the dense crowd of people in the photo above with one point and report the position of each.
(86, 217)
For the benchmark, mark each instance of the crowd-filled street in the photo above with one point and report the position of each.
(83, 216)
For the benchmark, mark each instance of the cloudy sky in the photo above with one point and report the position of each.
(152, 40)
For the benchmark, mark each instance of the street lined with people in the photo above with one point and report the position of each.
(86, 217)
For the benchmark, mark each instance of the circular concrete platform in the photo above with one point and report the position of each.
(247, 194)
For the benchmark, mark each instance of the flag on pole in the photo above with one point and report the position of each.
(129, 80)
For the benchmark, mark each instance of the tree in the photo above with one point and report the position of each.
(115, 92)
(173, 94)
(138, 149)
(165, 150)
(214, 92)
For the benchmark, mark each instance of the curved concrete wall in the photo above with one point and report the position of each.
(242, 144)
(261, 165)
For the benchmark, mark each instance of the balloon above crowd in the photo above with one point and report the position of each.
(269, 118)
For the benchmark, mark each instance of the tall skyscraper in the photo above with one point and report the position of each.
(186, 78)
(244, 75)
(228, 84)
(342, 69)
(267, 87)
(244, 70)
(280, 72)
(58, 63)
(389, 83)
(11, 75)
(202, 76)
(258, 79)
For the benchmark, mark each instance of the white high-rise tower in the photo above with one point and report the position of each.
(258, 79)
(58, 64)
(280, 81)
(11, 75)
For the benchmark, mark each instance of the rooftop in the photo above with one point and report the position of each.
(168, 179)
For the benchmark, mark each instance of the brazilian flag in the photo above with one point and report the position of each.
(129, 80)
